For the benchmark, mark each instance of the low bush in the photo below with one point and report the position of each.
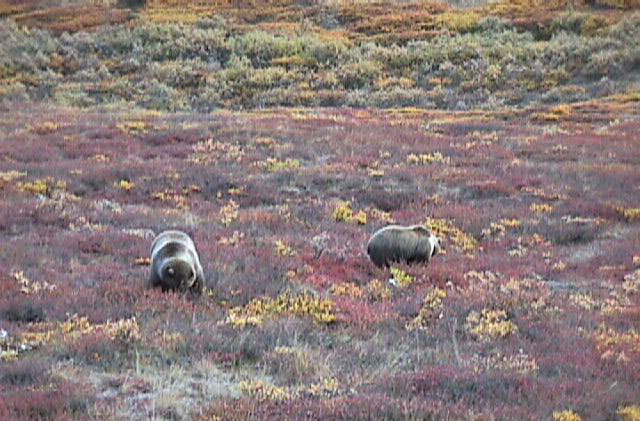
(209, 64)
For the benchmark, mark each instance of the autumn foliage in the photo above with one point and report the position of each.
(280, 148)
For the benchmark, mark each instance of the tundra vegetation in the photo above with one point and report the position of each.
(281, 136)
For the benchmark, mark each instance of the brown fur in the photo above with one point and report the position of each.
(175, 264)
(396, 243)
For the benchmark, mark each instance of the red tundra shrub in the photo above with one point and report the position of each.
(57, 402)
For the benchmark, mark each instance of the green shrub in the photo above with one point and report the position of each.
(210, 64)
(25, 50)
(359, 74)
(159, 96)
(178, 74)
(263, 48)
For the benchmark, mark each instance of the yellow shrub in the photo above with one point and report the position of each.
(344, 213)
(381, 215)
(445, 229)
(172, 15)
(546, 117)
(629, 213)
(8, 355)
(229, 213)
(490, 324)
(402, 278)
(30, 287)
(123, 330)
(267, 142)
(378, 291)
(171, 196)
(167, 340)
(327, 388)
(134, 127)
(46, 128)
(429, 311)
(562, 109)
(519, 363)
(500, 228)
(608, 337)
(210, 151)
(428, 158)
(360, 218)
(9, 176)
(631, 282)
(630, 413)
(595, 22)
(233, 240)
(101, 158)
(541, 208)
(566, 415)
(276, 165)
(584, 301)
(142, 261)
(347, 289)
(459, 21)
(264, 391)
(260, 309)
(45, 186)
(375, 173)
(126, 185)
(75, 327)
(537, 192)
(285, 250)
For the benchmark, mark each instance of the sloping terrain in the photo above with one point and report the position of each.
(176, 57)
(531, 312)
(532, 309)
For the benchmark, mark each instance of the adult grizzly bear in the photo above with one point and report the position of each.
(396, 243)
(175, 264)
